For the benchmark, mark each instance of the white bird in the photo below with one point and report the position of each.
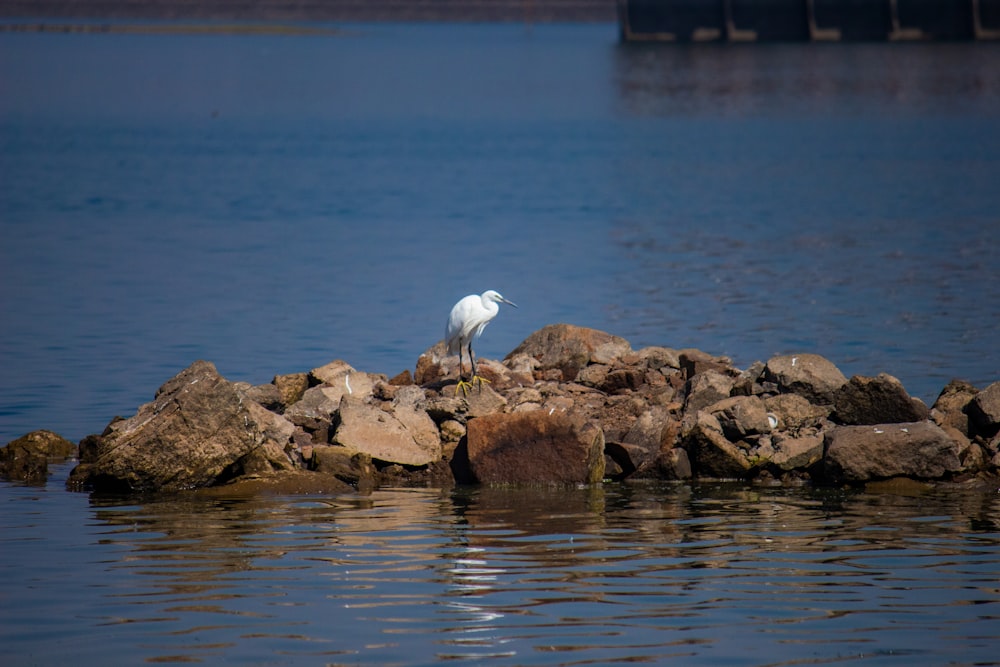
(466, 323)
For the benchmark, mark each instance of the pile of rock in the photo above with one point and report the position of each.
(568, 405)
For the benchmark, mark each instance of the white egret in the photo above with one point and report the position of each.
(466, 323)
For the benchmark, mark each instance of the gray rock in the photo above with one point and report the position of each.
(809, 375)
(919, 450)
(535, 448)
(877, 400)
(799, 453)
(199, 431)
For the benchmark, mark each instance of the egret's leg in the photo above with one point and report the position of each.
(475, 376)
(463, 386)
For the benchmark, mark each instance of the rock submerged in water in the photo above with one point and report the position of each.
(568, 405)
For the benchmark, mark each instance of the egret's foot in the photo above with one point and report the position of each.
(480, 380)
(463, 386)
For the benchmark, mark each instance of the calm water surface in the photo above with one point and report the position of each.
(706, 575)
(273, 202)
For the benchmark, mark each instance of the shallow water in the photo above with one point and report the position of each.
(703, 575)
(273, 202)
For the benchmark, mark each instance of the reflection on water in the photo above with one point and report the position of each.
(705, 575)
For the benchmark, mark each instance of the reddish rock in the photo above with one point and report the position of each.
(570, 348)
(291, 387)
(534, 448)
(799, 453)
(809, 375)
(919, 450)
(706, 388)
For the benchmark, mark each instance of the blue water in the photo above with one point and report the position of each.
(659, 574)
(273, 202)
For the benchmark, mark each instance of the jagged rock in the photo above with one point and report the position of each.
(706, 388)
(877, 400)
(291, 387)
(655, 358)
(809, 375)
(712, 455)
(534, 448)
(316, 411)
(741, 416)
(672, 465)
(430, 365)
(798, 453)
(266, 395)
(746, 383)
(568, 349)
(199, 431)
(27, 458)
(984, 411)
(403, 435)
(402, 379)
(920, 450)
(950, 408)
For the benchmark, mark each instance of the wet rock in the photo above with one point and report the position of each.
(950, 408)
(741, 416)
(278, 483)
(920, 450)
(27, 458)
(809, 375)
(877, 400)
(568, 349)
(984, 411)
(706, 388)
(199, 431)
(796, 453)
(534, 448)
(354, 468)
(712, 455)
(401, 435)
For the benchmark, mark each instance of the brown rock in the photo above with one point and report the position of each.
(950, 408)
(534, 448)
(199, 431)
(354, 468)
(712, 455)
(920, 450)
(27, 458)
(809, 375)
(877, 400)
(672, 465)
(570, 348)
(291, 387)
(984, 411)
(694, 362)
(795, 413)
(404, 435)
(797, 453)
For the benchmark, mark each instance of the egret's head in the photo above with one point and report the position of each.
(493, 295)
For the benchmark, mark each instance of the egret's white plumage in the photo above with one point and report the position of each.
(466, 322)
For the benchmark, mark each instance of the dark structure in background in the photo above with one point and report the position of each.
(808, 20)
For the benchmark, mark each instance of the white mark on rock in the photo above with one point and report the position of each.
(878, 430)
(347, 382)
(794, 360)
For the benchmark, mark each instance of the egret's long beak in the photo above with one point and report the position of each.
(509, 303)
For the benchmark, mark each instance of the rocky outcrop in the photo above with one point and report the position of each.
(568, 405)
(27, 458)
(198, 431)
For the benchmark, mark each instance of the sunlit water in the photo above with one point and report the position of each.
(709, 575)
(273, 202)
